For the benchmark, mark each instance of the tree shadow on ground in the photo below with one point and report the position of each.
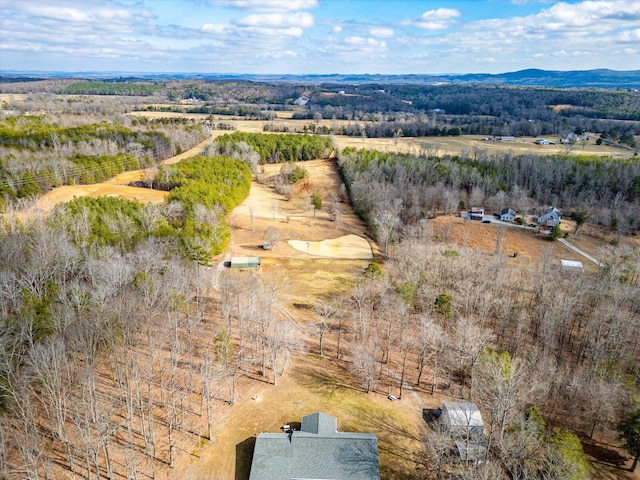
(603, 453)
(315, 379)
(244, 456)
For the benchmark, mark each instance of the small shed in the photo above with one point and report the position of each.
(462, 419)
(245, 262)
(571, 266)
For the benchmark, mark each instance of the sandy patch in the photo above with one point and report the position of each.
(66, 193)
(347, 246)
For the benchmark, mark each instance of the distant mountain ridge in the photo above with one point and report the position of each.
(600, 78)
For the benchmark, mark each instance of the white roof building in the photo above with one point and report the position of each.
(571, 266)
(462, 419)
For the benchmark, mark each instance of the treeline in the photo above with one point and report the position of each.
(95, 87)
(36, 153)
(33, 132)
(191, 222)
(399, 129)
(277, 148)
(421, 186)
(227, 91)
(494, 100)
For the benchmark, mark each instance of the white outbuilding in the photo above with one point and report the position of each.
(462, 419)
(571, 266)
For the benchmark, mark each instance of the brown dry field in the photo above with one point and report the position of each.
(528, 244)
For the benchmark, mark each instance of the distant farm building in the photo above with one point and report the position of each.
(317, 451)
(571, 266)
(507, 138)
(508, 215)
(245, 262)
(462, 419)
(549, 218)
(477, 213)
(542, 141)
(570, 138)
(302, 101)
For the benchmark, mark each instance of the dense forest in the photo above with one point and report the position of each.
(423, 186)
(276, 148)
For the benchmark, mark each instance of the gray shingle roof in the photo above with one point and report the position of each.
(325, 455)
(319, 423)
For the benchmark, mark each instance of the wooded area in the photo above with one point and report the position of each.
(125, 342)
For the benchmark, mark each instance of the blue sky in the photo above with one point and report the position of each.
(318, 36)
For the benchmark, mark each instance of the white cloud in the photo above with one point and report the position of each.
(216, 28)
(278, 54)
(269, 32)
(381, 32)
(276, 20)
(267, 5)
(438, 19)
(630, 36)
(356, 41)
(584, 18)
(337, 29)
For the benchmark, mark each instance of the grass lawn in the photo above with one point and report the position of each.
(313, 384)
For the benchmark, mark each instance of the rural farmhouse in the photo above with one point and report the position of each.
(549, 218)
(317, 450)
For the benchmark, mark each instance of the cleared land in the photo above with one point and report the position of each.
(349, 246)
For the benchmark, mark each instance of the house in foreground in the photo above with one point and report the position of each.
(316, 451)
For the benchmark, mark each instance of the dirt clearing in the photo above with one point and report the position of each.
(68, 192)
(349, 246)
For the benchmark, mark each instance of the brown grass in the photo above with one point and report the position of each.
(312, 384)
(529, 245)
